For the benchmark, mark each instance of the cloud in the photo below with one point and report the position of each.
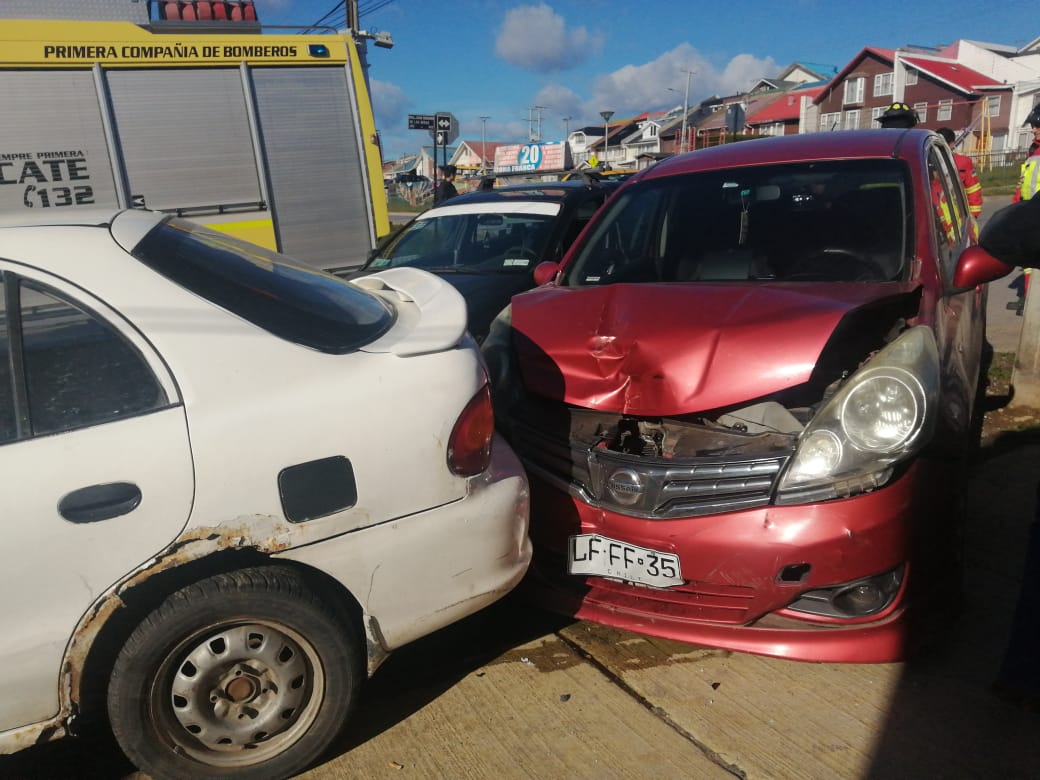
(559, 100)
(535, 37)
(637, 88)
(389, 104)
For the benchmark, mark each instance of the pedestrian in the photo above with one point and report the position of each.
(446, 186)
(1029, 178)
(1012, 236)
(899, 116)
(966, 169)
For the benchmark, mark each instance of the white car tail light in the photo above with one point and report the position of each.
(469, 448)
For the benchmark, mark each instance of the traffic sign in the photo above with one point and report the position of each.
(421, 121)
(446, 129)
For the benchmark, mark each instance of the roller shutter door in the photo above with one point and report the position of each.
(316, 177)
(185, 137)
(53, 142)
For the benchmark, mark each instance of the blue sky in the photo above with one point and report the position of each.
(575, 58)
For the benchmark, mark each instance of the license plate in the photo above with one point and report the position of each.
(603, 557)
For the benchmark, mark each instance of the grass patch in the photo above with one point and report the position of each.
(999, 375)
(999, 181)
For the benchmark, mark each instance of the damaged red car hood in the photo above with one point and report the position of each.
(663, 350)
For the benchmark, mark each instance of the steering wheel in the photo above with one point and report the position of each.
(836, 264)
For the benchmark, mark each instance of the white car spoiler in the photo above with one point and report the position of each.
(434, 321)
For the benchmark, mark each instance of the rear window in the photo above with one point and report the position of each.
(821, 221)
(288, 299)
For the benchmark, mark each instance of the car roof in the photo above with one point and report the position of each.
(847, 144)
(554, 191)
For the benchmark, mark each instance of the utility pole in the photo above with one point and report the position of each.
(567, 127)
(683, 145)
(352, 14)
(534, 135)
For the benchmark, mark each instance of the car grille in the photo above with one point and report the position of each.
(649, 487)
(705, 601)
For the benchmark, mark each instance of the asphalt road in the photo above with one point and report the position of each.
(514, 692)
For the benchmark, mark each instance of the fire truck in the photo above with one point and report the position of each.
(192, 108)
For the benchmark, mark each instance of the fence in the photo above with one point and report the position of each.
(1008, 158)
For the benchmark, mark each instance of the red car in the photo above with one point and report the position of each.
(745, 396)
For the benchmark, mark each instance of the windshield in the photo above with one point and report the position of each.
(284, 297)
(836, 221)
(473, 238)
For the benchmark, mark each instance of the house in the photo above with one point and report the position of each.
(473, 158)
(429, 160)
(645, 139)
(588, 144)
(943, 91)
(787, 114)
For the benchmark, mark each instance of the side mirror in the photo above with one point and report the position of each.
(976, 266)
(545, 272)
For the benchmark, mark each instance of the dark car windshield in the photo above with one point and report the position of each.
(464, 238)
(289, 299)
(844, 220)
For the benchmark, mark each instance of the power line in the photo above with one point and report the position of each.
(337, 15)
(376, 6)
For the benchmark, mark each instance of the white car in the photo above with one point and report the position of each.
(234, 485)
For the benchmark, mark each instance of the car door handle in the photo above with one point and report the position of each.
(100, 502)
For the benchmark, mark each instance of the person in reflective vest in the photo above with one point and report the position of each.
(942, 210)
(966, 169)
(1029, 179)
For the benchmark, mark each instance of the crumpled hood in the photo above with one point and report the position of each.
(661, 350)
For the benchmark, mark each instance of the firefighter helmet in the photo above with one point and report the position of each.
(1033, 120)
(898, 115)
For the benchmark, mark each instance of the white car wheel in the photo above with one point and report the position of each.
(242, 675)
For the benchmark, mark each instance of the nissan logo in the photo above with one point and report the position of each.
(625, 486)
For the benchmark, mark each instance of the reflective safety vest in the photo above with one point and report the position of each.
(1029, 180)
(943, 212)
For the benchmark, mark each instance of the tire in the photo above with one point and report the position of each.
(242, 675)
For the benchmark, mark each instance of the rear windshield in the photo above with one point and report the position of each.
(831, 221)
(284, 297)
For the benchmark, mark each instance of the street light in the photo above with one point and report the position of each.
(606, 137)
(567, 127)
(683, 147)
(483, 144)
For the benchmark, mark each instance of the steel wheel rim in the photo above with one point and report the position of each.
(238, 693)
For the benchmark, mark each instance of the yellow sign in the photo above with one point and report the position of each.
(121, 44)
(593, 161)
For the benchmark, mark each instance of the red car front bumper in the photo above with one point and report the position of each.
(737, 565)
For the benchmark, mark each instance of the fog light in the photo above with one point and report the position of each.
(853, 599)
(860, 599)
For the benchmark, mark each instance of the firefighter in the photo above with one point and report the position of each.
(898, 115)
(1029, 179)
(966, 169)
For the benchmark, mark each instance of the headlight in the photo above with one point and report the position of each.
(883, 411)
(883, 414)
